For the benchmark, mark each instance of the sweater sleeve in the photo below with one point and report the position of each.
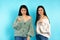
(45, 27)
(16, 24)
(31, 30)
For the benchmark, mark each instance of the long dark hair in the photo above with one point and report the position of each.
(37, 15)
(23, 6)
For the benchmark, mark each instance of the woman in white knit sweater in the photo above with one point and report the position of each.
(42, 23)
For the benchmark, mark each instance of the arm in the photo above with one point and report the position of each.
(45, 27)
(16, 23)
(31, 29)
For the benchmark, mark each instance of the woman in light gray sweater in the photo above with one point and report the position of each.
(23, 28)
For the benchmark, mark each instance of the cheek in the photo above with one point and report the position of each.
(39, 12)
(21, 11)
(24, 11)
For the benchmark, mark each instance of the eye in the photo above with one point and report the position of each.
(41, 10)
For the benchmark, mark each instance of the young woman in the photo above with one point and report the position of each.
(23, 25)
(42, 23)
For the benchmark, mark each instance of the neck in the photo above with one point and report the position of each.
(24, 15)
(42, 15)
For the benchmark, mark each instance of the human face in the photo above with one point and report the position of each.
(23, 11)
(40, 11)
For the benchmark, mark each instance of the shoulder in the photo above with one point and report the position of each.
(45, 17)
(29, 17)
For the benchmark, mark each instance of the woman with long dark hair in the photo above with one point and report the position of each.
(42, 23)
(23, 25)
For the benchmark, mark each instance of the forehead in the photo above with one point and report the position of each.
(23, 8)
(40, 8)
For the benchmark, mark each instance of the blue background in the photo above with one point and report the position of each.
(9, 11)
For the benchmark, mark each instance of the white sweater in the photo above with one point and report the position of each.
(43, 28)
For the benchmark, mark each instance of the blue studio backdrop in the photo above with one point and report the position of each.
(9, 11)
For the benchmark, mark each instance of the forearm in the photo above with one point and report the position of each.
(44, 31)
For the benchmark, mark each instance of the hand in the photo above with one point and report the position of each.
(28, 38)
(49, 34)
